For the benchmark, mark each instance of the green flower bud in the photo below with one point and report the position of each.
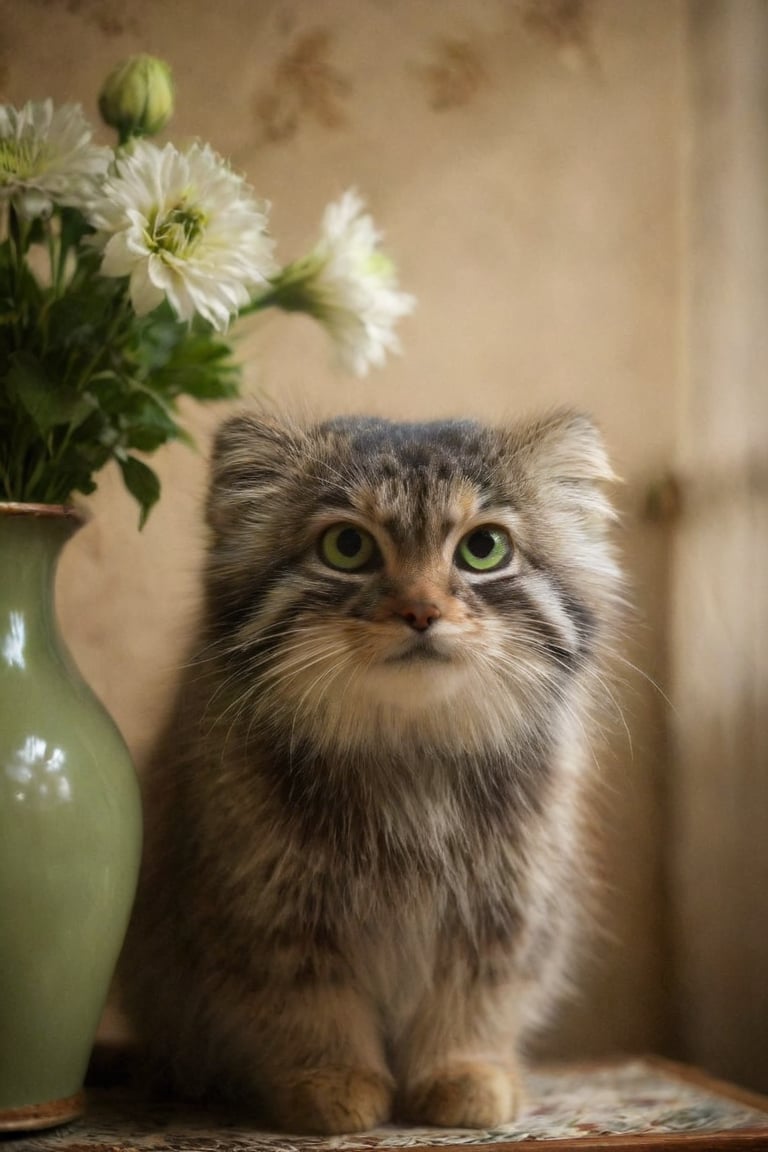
(137, 97)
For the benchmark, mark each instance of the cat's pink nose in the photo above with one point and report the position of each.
(418, 614)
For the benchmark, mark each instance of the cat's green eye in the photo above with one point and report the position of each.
(484, 549)
(347, 547)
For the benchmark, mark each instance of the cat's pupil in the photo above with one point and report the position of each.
(481, 544)
(349, 542)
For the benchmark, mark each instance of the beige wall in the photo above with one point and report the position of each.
(524, 160)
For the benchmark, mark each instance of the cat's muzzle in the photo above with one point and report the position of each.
(420, 648)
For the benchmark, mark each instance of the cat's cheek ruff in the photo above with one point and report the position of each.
(494, 700)
(313, 667)
(277, 606)
(334, 684)
(543, 614)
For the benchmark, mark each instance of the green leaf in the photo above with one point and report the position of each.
(81, 316)
(48, 403)
(142, 483)
(149, 425)
(183, 360)
(199, 383)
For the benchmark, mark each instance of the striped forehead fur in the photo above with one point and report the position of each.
(269, 477)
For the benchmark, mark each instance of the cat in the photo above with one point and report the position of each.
(364, 874)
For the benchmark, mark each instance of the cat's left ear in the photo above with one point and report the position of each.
(250, 455)
(565, 453)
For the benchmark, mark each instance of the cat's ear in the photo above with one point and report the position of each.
(565, 453)
(249, 456)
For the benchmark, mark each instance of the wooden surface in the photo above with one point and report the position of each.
(636, 1105)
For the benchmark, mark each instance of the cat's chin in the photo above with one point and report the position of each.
(420, 671)
(415, 679)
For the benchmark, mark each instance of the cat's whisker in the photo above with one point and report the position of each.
(286, 670)
(255, 664)
(634, 668)
(329, 674)
(540, 693)
(220, 649)
(605, 687)
(272, 682)
(511, 665)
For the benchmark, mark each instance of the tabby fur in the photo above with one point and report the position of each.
(364, 856)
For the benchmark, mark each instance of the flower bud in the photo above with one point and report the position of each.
(137, 97)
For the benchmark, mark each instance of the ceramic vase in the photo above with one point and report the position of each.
(70, 836)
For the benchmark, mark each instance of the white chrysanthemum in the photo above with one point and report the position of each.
(184, 227)
(351, 286)
(46, 157)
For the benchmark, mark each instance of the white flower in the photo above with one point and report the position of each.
(184, 227)
(351, 286)
(46, 157)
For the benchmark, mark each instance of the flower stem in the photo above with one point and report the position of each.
(287, 290)
(269, 299)
(122, 312)
(18, 241)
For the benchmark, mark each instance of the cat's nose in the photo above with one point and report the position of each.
(418, 614)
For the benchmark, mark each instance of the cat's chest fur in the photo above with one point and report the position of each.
(377, 864)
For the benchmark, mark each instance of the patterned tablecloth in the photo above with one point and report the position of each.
(600, 1106)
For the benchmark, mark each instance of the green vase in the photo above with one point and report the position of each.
(70, 836)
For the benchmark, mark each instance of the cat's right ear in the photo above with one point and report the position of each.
(565, 455)
(249, 456)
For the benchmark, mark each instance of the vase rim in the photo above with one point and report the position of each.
(51, 511)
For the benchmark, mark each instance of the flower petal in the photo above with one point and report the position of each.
(192, 223)
(48, 156)
(350, 286)
(145, 295)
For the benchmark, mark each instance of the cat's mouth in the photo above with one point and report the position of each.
(419, 650)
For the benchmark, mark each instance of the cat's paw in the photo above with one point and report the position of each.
(465, 1094)
(331, 1100)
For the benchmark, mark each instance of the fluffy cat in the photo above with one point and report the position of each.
(363, 847)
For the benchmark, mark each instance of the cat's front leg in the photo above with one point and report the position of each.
(325, 1070)
(458, 1065)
